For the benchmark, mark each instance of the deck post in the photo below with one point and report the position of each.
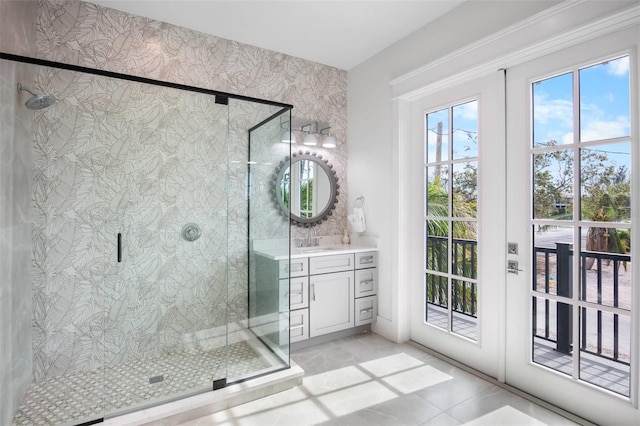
(564, 283)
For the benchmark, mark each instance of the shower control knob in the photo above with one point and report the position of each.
(191, 232)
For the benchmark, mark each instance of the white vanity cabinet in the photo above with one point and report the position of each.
(323, 292)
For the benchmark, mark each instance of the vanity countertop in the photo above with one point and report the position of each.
(327, 250)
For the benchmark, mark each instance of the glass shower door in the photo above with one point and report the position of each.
(166, 323)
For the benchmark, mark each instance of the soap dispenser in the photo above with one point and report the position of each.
(345, 238)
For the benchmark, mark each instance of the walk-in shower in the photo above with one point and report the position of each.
(132, 287)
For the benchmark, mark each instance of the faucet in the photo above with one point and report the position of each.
(315, 241)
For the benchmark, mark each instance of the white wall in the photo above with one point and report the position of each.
(373, 158)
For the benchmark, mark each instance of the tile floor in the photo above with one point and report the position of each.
(368, 380)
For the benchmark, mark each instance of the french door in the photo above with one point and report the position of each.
(525, 203)
(457, 150)
(572, 207)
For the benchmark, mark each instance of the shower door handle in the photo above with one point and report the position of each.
(119, 247)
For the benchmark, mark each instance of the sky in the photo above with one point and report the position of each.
(604, 113)
(603, 99)
(464, 123)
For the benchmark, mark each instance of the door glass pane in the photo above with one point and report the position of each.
(553, 111)
(437, 246)
(552, 248)
(465, 130)
(606, 267)
(464, 298)
(438, 136)
(605, 179)
(465, 189)
(464, 249)
(553, 185)
(437, 303)
(605, 348)
(549, 346)
(437, 197)
(604, 100)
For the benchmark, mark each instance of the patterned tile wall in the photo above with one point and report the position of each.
(17, 35)
(84, 307)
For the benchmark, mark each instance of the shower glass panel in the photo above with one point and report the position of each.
(140, 217)
(268, 297)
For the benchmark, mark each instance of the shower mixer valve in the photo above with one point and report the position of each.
(191, 232)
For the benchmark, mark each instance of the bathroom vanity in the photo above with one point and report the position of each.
(324, 290)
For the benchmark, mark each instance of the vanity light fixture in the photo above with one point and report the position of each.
(289, 137)
(329, 142)
(310, 140)
(314, 133)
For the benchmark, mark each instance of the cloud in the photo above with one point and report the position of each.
(546, 109)
(468, 111)
(619, 67)
(601, 129)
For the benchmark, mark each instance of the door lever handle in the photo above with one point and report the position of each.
(512, 267)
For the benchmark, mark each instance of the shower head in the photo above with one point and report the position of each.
(36, 101)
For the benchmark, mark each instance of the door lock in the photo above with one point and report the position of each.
(512, 267)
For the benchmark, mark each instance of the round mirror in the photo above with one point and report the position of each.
(307, 186)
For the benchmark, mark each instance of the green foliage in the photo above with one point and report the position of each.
(306, 199)
(464, 205)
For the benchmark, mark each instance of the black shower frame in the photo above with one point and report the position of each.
(221, 97)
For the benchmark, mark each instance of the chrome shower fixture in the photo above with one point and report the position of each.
(36, 102)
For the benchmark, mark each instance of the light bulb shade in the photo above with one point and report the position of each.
(288, 137)
(329, 142)
(310, 140)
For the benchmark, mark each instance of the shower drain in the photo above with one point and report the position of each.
(156, 379)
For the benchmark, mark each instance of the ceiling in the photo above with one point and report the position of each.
(339, 33)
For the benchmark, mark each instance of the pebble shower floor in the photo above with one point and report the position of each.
(80, 397)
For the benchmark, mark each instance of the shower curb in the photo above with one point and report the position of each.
(191, 408)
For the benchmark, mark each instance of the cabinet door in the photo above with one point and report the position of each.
(331, 303)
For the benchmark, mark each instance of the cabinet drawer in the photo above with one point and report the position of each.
(367, 259)
(298, 325)
(366, 282)
(294, 293)
(366, 310)
(327, 264)
(297, 268)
